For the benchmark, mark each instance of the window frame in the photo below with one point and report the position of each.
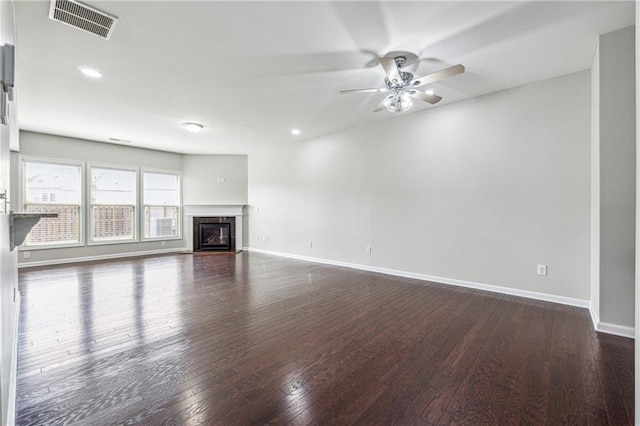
(22, 160)
(89, 204)
(179, 218)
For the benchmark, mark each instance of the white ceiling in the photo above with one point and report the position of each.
(251, 71)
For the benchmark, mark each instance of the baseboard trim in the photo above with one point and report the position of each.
(608, 328)
(602, 327)
(615, 329)
(13, 383)
(581, 303)
(100, 257)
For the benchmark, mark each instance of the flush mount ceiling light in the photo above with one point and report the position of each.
(403, 85)
(295, 132)
(120, 140)
(89, 72)
(193, 127)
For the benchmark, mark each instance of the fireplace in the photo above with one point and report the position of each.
(214, 234)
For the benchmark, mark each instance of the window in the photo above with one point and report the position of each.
(53, 187)
(113, 204)
(161, 201)
(118, 204)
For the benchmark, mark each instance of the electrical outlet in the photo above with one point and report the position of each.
(164, 243)
(367, 250)
(310, 244)
(26, 255)
(542, 269)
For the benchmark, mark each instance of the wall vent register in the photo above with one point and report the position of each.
(83, 17)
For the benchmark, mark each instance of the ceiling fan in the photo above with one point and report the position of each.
(404, 86)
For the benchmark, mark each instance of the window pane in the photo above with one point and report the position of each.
(53, 188)
(51, 183)
(113, 187)
(63, 229)
(113, 223)
(161, 189)
(113, 201)
(160, 221)
(161, 200)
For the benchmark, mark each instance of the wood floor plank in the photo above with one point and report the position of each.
(257, 339)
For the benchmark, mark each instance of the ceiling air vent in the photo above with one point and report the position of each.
(83, 17)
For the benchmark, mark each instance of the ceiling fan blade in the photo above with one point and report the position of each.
(382, 89)
(382, 104)
(438, 75)
(391, 69)
(425, 97)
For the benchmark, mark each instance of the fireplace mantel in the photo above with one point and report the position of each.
(211, 210)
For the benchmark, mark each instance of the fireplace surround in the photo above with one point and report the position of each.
(214, 213)
(214, 234)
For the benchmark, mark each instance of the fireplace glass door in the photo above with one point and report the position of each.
(215, 236)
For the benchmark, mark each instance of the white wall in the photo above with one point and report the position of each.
(214, 179)
(44, 145)
(8, 259)
(481, 190)
(49, 146)
(617, 177)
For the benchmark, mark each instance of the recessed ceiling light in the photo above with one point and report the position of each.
(429, 92)
(90, 72)
(193, 127)
(295, 132)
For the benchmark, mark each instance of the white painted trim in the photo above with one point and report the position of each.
(637, 246)
(595, 188)
(213, 209)
(605, 327)
(100, 257)
(13, 380)
(581, 303)
(595, 318)
(618, 330)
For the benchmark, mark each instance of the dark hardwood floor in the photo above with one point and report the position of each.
(255, 339)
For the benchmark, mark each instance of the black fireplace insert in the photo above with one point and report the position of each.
(215, 236)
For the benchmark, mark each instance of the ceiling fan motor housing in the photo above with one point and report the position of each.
(400, 61)
(407, 78)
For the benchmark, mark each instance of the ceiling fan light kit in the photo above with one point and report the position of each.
(403, 85)
(398, 102)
